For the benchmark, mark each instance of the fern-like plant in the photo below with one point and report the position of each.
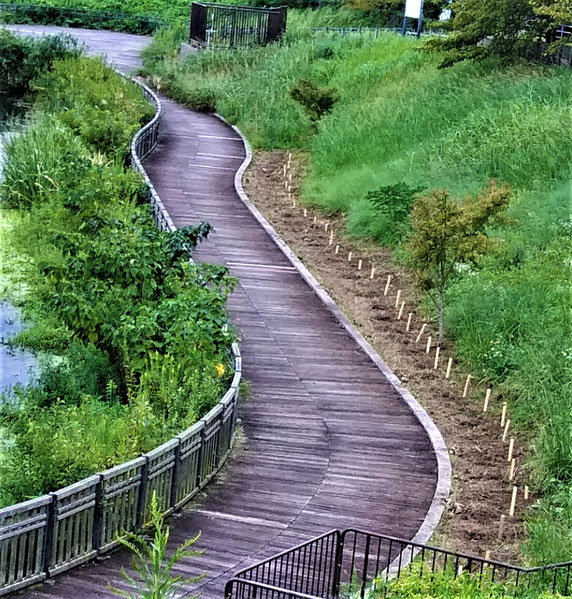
(153, 576)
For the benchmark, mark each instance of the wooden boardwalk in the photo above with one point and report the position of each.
(329, 442)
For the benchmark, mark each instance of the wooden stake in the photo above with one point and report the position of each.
(305, 212)
(337, 249)
(501, 527)
(326, 227)
(286, 184)
(487, 555)
(466, 389)
(428, 348)
(350, 257)
(372, 272)
(401, 311)
(510, 449)
(449, 364)
(359, 264)
(289, 159)
(487, 399)
(436, 365)
(290, 177)
(503, 414)
(511, 472)
(421, 332)
(284, 172)
(506, 429)
(526, 492)
(387, 285)
(331, 238)
(513, 501)
(315, 219)
(397, 298)
(409, 317)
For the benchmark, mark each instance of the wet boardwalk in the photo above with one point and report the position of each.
(329, 441)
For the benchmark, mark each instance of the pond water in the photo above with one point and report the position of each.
(16, 366)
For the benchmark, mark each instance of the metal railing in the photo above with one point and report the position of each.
(79, 17)
(216, 25)
(43, 537)
(355, 563)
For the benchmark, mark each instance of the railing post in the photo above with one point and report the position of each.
(175, 477)
(140, 520)
(200, 459)
(49, 536)
(97, 513)
(338, 564)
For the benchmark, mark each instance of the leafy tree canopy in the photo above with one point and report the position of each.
(499, 28)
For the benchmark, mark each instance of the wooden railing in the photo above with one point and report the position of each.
(58, 531)
(355, 563)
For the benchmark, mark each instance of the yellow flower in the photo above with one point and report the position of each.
(219, 368)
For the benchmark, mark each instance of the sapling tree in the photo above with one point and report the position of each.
(154, 577)
(447, 232)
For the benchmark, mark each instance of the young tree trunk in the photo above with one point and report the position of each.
(440, 309)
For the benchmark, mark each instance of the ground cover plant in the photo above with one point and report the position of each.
(399, 122)
(132, 338)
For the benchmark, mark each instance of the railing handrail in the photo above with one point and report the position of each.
(31, 529)
(264, 587)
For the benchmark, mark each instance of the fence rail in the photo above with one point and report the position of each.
(356, 563)
(78, 17)
(58, 531)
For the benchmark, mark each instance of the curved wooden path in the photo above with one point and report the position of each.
(329, 441)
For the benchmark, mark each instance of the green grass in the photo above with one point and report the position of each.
(400, 120)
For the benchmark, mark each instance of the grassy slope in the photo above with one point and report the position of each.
(399, 119)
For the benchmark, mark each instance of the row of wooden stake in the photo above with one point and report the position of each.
(400, 307)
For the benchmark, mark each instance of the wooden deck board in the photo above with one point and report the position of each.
(329, 443)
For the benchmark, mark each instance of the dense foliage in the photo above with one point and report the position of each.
(136, 335)
(23, 58)
(400, 121)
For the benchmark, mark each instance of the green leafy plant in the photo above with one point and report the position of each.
(153, 576)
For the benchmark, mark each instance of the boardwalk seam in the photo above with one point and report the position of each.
(442, 488)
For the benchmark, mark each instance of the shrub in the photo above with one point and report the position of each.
(316, 101)
(22, 59)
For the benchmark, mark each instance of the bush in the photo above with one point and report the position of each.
(316, 101)
(22, 59)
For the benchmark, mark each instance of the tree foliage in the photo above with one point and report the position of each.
(447, 232)
(484, 28)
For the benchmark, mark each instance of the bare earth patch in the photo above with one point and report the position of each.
(481, 491)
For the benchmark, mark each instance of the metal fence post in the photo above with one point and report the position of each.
(338, 564)
(200, 459)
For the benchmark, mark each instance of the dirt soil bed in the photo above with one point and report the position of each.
(481, 489)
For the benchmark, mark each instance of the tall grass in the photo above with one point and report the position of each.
(400, 120)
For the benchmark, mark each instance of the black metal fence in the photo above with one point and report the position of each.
(215, 25)
(67, 16)
(355, 563)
